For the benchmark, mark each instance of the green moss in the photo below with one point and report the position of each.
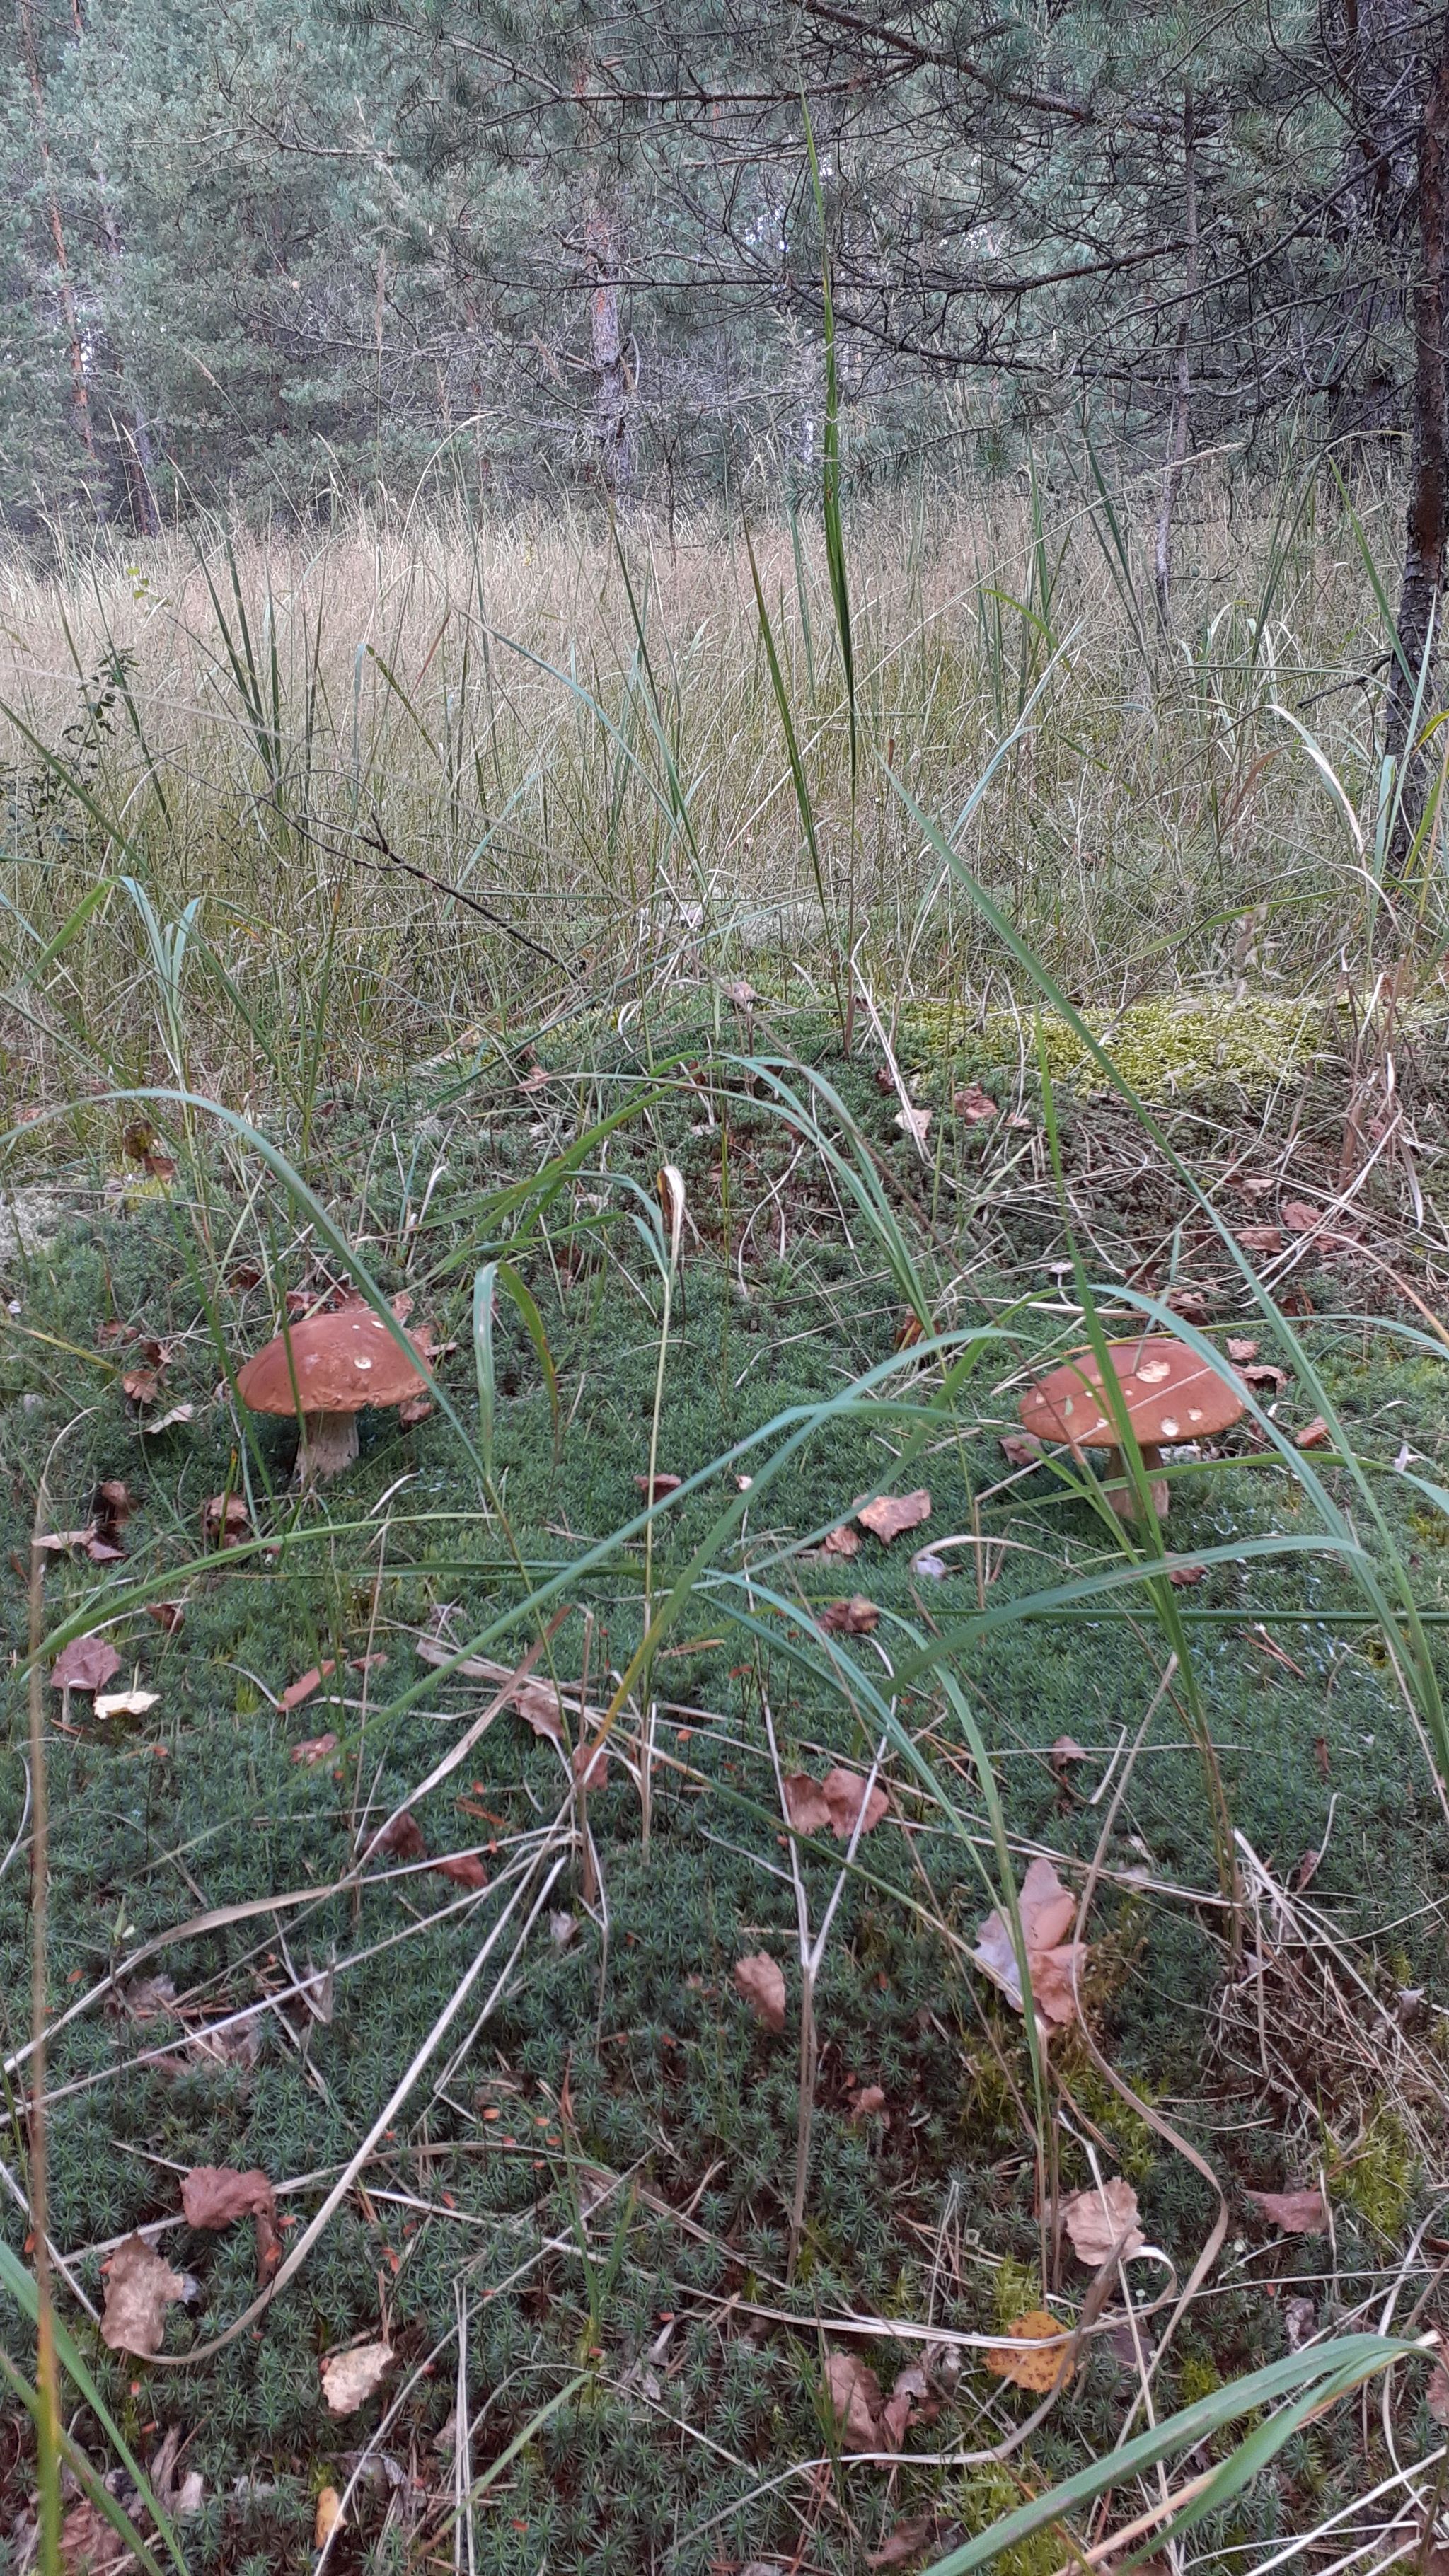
(1377, 2179)
(986, 2497)
(1164, 1046)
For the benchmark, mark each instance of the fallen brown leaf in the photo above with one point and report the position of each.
(217, 2196)
(297, 1691)
(1436, 2395)
(660, 1486)
(1021, 1448)
(905, 2540)
(856, 1617)
(140, 2287)
(1102, 2221)
(537, 1704)
(88, 2544)
(856, 2401)
(224, 1520)
(538, 1080)
(402, 1835)
(806, 1806)
(1300, 1218)
(349, 2378)
(844, 1794)
(141, 1385)
(86, 1664)
(1261, 1238)
(168, 1420)
(761, 1981)
(329, 2514)
(1194, 1305)
(1047, 1911)
(1240, 1347)
(1262, 1373)
(112, 1506)
(1297, 2213)
(1065, 1752)
(315, 1748)
(1029, 2365)
(842, 1542)
(465, 1869)
(413, 1410)
(890, 1515)
(974, 1104)
(869, 2100)
(167, 1614)
(1314, 1435)
(591, 1762)
(915, 1123)
(1183, 1577)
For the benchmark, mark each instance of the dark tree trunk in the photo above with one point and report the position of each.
(612, 388)
(1181, 368)
(1428, 516)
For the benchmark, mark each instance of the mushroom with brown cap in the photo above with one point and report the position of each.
(327, 1369)
(1168, 1393)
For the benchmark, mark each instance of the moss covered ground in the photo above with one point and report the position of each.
(586, 2199)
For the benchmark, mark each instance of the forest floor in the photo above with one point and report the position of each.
(589, 2258)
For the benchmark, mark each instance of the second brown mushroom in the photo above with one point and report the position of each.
(1168, 1393)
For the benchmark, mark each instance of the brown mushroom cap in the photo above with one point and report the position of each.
(1169, 1393)
(342, 1362)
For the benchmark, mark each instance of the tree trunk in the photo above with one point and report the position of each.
(80, 390)
(1426, 525)
(611, 371)
(1181, 372)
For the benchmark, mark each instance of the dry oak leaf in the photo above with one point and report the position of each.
(1436, 2395)
(1314, 1435)
(315, 1748)
(973, 1103)
(842, 1542)
(1240, 1347)
(1065, 1750)
(1298, 2213)
(141, 1385)
(167, 1614)
(86, 1664)
(140, 2287)
(1300, 1218)
(1261, 1238)
(88, 2544)
(1047, 1911)
(915, 1123)
(218, 2195)
(855, 2401)
(591, 1762)
(761, 1981)
(1183, 1577)
(868, 2101)
(658, 1486)
(844, 1795)
(856, 1617)
(1103, 2221)
(1262, 1373)
(892, 1514)
(349, 2378)
(1038, 2359)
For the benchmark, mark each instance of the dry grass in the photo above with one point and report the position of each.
(609, 777)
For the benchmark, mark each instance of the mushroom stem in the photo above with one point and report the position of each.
(328, 1444)
(1122, 1493)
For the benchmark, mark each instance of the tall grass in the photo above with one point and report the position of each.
(418, 771)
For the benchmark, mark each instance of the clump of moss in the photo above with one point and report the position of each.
(1377, 2178)
(1163, 1046)
(983, 2499)
(1018, 2291)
